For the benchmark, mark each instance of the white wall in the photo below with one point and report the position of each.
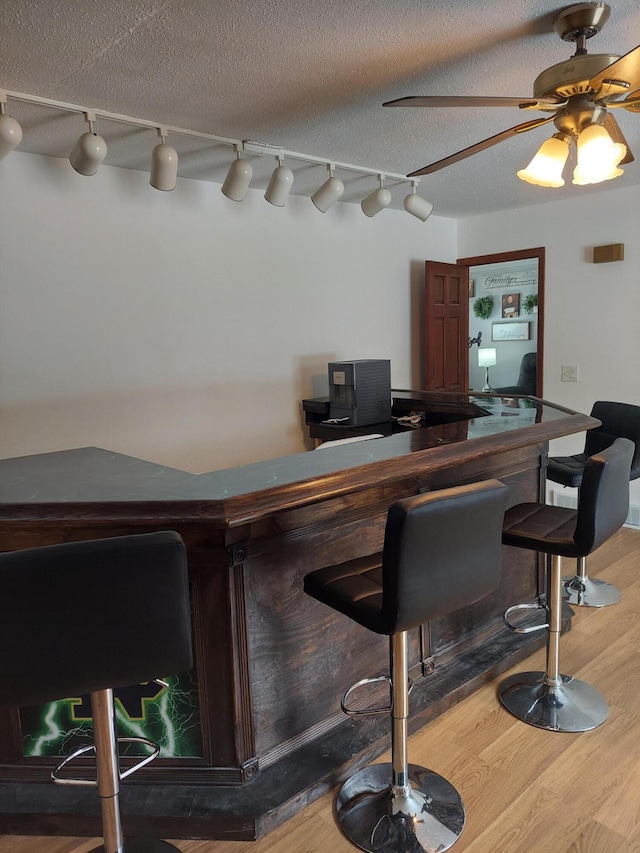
(185, 328)
(592, 311)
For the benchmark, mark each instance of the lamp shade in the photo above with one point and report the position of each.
(545, 170)
(279, 187)
(376, 201)
(598, 156)
(238, 178)
(328, 193)
(418, 206)
(487, 357)
(10, 134)
(88, 153)
(164, 167)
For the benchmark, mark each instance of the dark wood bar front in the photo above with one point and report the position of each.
(271, 663)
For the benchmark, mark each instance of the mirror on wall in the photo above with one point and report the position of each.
(506, 321)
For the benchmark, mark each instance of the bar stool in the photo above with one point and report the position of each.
(618, 420)
(88, 617)
(441, 552)
(548, 699)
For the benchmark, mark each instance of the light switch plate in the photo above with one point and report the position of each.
(569, 373)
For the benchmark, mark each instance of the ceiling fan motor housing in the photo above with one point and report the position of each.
(572, 76)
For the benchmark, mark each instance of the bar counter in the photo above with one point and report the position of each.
(271, 663)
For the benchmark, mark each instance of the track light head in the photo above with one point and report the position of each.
(10, 132)
(238, 178)
(89, 151)
(329, 192)
(164, 164)
(377, 200)
(416, 205)
(280, 184)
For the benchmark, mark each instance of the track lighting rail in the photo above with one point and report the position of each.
(91, 149)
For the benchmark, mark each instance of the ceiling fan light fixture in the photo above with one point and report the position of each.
(598, 156)
(545, 170)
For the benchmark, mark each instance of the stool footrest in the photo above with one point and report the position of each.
(519, 629)
(91, 748)
(359, 712)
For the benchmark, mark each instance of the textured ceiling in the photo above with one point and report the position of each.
(308, 76)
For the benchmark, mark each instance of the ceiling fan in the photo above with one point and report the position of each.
(578, 94)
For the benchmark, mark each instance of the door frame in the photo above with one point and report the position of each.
(521, 255)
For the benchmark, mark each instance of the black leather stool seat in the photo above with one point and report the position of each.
(567, 470)
(353, 588)
(85, 616)
(548, 529)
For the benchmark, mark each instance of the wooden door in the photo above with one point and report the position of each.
(446, 327)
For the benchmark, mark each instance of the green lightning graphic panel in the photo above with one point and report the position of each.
(168, 716)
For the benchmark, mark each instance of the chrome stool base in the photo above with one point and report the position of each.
(429, 817)
(572, 706)
(585, 592)
(140, 845)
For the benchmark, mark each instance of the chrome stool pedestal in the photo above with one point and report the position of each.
(584, 591)
(549, 700)
(109, 777)
(399, 806)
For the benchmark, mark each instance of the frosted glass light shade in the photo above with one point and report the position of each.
(279, 187)
(10, 134)
(418, 206)
(88, 153)
(545, 170)
(328, 193)
(238, 178)
(164, 167)
(487, 357)
(598, 156)
(376, 201)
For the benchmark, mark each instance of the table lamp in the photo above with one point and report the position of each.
(486, 359)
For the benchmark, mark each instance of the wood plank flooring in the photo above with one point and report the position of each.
(525, 790)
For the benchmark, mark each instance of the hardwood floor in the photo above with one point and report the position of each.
(525, 790)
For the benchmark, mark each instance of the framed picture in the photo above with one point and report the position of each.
(510, 306)
(510, 331)
(472, 288)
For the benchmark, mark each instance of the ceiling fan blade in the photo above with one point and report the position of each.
(480, 146)
(627, 69)
(473, 101)
(617, 135)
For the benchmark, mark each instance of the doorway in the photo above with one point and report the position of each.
(505, 313)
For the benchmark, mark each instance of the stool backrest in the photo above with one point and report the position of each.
(85, 616)
(618, 420)
(603, 503)
(442, 551)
